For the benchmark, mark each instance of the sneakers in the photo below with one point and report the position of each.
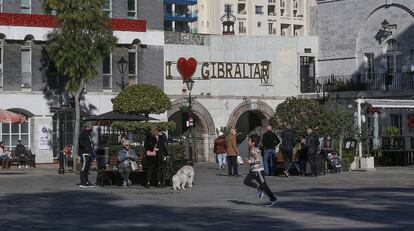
(19, 166)
(89, 185)
(286, 173)
(261, 193)
(129, 182)
(272, 203)
(27, 166)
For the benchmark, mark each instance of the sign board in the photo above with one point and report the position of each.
(45, 137)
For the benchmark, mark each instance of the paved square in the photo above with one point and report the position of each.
(40, 199)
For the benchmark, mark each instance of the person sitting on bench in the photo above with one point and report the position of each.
(4, 156)
(21, 154)
(126, 161)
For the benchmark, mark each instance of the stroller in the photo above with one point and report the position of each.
(334, 163)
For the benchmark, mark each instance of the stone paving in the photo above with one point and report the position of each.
(40, 199)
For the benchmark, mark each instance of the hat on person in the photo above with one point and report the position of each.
(19, 141)
(221, 133)
(126, 142)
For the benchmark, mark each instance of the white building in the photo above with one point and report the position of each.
(239, 81)
(256, 17)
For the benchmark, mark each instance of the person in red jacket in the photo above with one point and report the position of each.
(220, 150)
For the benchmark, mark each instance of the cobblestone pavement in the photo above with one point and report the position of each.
(40, 199)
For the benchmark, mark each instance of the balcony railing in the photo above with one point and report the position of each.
(384, 81)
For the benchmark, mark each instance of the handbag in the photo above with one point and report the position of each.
(134, 165)
(240, 160)
(151, 153)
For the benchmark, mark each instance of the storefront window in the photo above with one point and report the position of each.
(10, 133)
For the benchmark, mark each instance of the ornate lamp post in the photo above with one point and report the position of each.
(122, 66)
(190, 84)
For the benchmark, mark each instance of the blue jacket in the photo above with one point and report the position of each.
(125, 156)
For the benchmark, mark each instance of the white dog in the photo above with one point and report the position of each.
(184, 176)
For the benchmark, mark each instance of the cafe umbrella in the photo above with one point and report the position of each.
(11, 117)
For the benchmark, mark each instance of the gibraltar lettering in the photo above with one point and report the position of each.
(225, 70)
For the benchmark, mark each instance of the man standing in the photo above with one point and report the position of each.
(21, 154)
(232, 153)
(312, 143)
(269, 142)
(85, 152)
(288, 142)
(220, 149)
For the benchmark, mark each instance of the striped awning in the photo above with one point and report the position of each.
(391, 103)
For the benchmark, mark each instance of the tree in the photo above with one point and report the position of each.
(337, 122)
(142, 98)
(299, 113)
(81, 38)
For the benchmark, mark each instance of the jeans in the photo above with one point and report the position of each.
(221, 159)
(287, 157)
(269, 154)
(232, 165)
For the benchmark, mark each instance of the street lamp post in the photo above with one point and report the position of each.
(190, 84)
(122, 65)
(60, 128)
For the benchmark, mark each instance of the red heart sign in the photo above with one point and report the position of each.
(186, 67)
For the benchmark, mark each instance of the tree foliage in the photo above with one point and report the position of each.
(81, 38)
(299, 113)
(142, 98)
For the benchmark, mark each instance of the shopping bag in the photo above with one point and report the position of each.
(240, 160)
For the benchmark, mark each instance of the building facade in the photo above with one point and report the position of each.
(28, 81)
(239, 81)
(366, 50)
(180, 16)
(256, 17)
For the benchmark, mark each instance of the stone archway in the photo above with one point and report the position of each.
(203, 131)
(260, 106)
(249, 117)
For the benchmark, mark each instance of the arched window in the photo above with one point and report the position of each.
(133, 64)
(393, 56)
(26, 64)
(1, 63)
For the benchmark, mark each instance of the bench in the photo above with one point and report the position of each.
(31, 159)
(109, 175)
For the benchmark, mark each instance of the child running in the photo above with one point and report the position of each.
(257, 171)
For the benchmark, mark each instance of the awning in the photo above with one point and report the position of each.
(11, 117)
(391, 103)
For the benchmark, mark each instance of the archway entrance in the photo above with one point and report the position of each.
(249, 117)
(202, 133)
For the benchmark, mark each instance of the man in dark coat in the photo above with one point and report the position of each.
(269, 142)
(86, 153)
(312, 144)
(288, 143)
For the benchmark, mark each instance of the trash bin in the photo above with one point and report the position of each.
(102, 157)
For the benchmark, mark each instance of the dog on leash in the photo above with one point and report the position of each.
(184, 176)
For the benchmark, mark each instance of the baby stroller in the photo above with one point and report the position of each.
(334, 163)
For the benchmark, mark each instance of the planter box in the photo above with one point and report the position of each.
(367, 163)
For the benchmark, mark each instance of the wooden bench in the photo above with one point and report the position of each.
(109, 175)
(31, 159)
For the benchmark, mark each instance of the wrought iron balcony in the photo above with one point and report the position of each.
(384, 81)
